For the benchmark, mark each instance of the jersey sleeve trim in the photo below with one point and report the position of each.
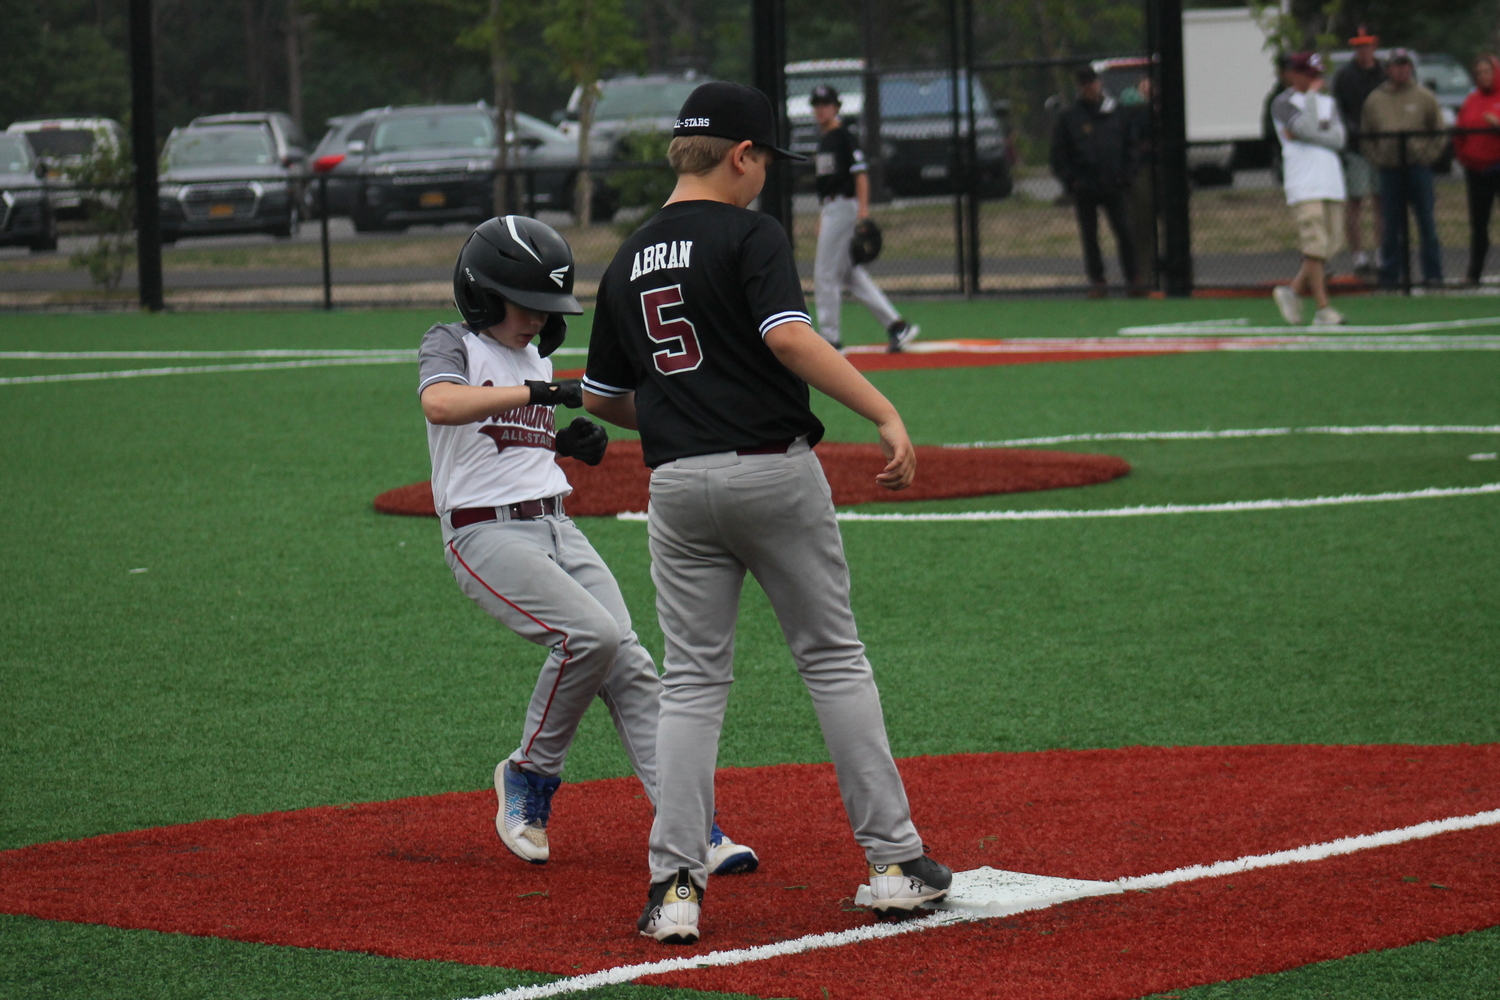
(601, 389)
(442, 377)
(790, 316)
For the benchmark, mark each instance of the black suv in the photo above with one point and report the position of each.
(916, 124)
(423, 165)
(26, 215)
(242, 173)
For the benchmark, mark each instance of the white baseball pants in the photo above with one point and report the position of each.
(712, 517)
(544, 581)
(835, 270)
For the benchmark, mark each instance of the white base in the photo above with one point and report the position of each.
(990, 892)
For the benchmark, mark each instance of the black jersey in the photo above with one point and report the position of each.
(839, 159)
(680, 321)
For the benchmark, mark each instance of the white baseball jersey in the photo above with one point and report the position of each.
(502, 460)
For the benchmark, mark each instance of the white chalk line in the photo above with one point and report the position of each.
(1203, 338)
(146, 355)
(208, 369)
(1233, 506)
(1242, 327)
(871, 932)
(1253, 432)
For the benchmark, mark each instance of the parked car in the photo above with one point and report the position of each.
(63, 143)
(916, 124)
(26, 213)
(630, 105)
(535, 146)
(232, 174)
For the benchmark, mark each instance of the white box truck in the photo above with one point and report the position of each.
(1228, 70)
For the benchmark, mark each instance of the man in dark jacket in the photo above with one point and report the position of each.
(1352, 86)
(1094, 156)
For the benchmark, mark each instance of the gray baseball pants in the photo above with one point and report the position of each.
(835, 270)
(544, 581)
(713, 517)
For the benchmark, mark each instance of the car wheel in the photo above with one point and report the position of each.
(46, 240)
(605, 202)
(365, 223)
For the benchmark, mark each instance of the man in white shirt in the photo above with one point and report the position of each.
(1312, 133)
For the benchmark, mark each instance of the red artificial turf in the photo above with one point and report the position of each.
(426, 877)
(622, 482)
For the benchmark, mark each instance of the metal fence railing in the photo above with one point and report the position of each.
(966, 201)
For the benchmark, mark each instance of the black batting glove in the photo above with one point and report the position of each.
(568, 392)
(584, 440)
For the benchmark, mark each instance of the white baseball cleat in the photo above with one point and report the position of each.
(672, 910)
(1328, 316)
(725, 857)
(897, 890)
(1288, 303)
(525, 807)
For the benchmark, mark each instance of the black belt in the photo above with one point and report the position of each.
(774, 448)
(526, 510)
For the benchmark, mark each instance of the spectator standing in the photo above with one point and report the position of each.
(1403, 105)
(1479, 155)
(1352, 85)
(1311, 135)
(1093, 155)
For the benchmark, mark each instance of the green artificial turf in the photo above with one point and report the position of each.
(284, 646)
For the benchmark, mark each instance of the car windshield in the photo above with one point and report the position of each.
(1446, 77)
(454, 131)
(15, 155)
(644, 98)
(901, 96)
(58, 142)
(1123, 82)
(220, 147)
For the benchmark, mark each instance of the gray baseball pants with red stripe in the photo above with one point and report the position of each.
(544, 581)
(713, 517)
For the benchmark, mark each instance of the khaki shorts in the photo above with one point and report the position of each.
(1320, 227)
(1359, 177)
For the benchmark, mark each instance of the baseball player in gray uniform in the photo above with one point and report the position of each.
(844, 189)
(487, 391)
(702, 340)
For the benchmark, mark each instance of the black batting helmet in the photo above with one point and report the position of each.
(516, 259)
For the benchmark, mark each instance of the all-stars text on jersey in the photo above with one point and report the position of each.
(678, 253)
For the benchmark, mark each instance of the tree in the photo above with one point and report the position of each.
(591, 39)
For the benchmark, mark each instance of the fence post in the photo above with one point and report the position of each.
(1404, 199)
(143, 142)
(869, 117)
(971, 153)
(768, 59)
(956, 157)
(1177, 263)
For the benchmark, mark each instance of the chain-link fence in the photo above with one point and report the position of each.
(960, 180)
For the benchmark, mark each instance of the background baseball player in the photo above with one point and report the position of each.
(844, 190)
(488, 396)
(702, 340)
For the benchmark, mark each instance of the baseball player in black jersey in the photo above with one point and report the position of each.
(702, 341)
(487, 391)
(844, 191)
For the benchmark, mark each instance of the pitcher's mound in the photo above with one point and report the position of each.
(621, 482)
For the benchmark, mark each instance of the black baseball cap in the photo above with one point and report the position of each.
(823, 94)
(731, 111)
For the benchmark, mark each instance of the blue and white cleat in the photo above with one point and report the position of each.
(525, 807)
(725, 857)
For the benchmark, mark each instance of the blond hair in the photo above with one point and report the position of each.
(700, 154)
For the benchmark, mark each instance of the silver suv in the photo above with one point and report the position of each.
(238, 173)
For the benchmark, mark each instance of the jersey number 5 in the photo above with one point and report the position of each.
(678, 336)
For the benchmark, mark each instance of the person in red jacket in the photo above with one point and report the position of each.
(1480, 155)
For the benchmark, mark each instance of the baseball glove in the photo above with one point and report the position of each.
(867, 241)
